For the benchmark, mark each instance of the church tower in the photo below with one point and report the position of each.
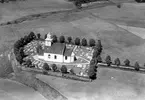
(48, 40)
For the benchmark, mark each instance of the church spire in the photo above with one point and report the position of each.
(48, 40)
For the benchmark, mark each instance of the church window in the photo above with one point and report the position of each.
(55, 57)
(48, 55)
(65, 57)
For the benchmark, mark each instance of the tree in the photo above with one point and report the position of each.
(93, 61)
(92, 72)
(127, 62)
(62, 39)
(63, 69)
(19, 58)
(77, 41)
(46, 67)
(26, 39)
(136, 66)
(96, 54)
(38, 35)
(92, 42)
(45, 36)
(84, 42)
(39, 50)
(99, 59)
(108, 60)
(21, 51)
(54, 67)
(117, 62)
(32, 36)
(54, 37)
(99, 47)
(72, 71)
(69, 39)
(28, 63)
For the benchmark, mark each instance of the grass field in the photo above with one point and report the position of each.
(111, 85)
(11, 90)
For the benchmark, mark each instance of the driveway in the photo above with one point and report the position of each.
(11, 90)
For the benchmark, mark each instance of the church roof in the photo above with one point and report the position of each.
(55, 48)
(68, 52)
(58, 48)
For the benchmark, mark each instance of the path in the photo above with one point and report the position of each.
(11, 90)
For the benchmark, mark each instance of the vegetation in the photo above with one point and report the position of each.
(54, 37)
(99, 47)
(28, 63)
(84, 42)
(32, 36)
(63, 69)
(92, 72)
(127, 62)
(54, 67)
(92, 42)
(108, 60)
(136, 66)
(39, 50)
(140, 1)
(95, 53)
(46, 67)
(117, 62)
(62, 39)
(77, 41)
(45, 36)
(99, 59)
(69, 39)
(38, 36)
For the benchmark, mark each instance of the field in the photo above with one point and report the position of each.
(11, 90)
(111, 85)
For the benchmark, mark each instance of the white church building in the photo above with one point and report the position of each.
(56, 52)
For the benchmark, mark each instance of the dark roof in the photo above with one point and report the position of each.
(68, 52)
(55, 48)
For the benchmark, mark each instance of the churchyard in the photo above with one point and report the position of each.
(81, 65)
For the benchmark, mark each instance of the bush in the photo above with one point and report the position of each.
(77, 41)
(64, 69)
(54, 67)
(108, 60)
(117, 62)
(62, 39)
(127, 62)
(46, 67)
(92, 42)
(84, 42)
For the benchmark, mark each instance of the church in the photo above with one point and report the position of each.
(56, 52)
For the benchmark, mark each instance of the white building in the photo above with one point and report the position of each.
(56, 52)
